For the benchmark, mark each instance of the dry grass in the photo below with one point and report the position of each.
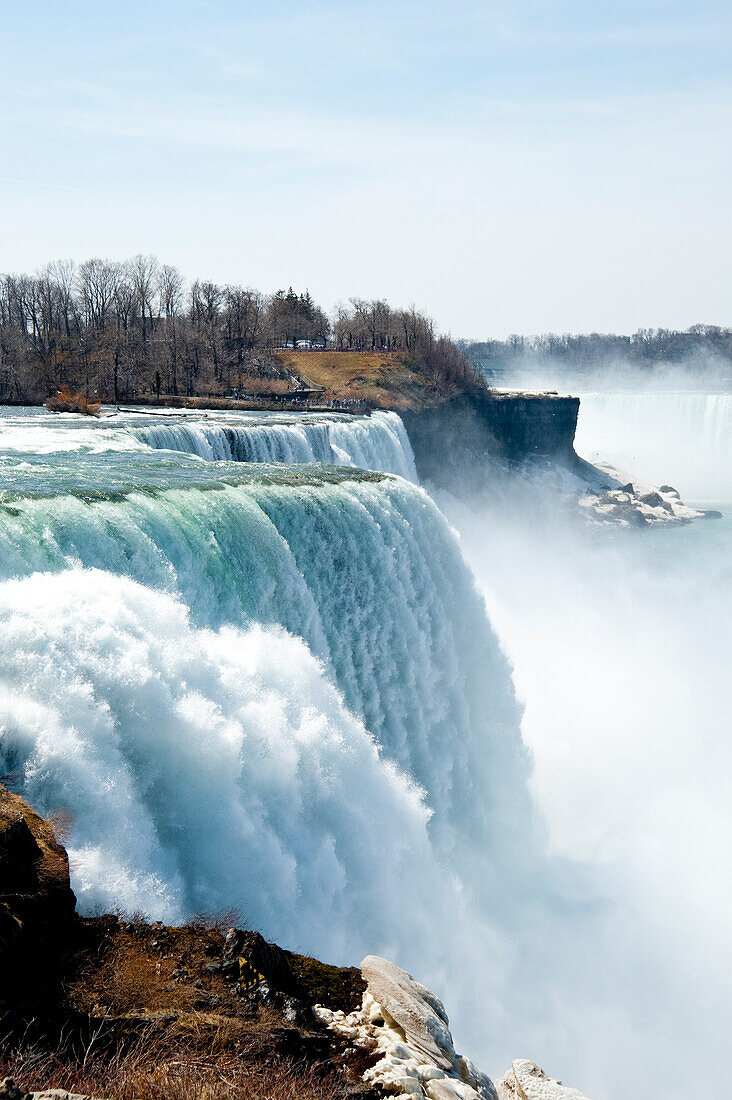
(66, 401)
(156, 1068)
(219, 921)
(378, 378)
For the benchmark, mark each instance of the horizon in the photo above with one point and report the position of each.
(521, 168)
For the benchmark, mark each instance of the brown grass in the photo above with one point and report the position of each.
(66, 401)
(378, 378)
(156, 1068)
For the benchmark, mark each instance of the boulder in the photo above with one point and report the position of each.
(653, 500)
(251, 962)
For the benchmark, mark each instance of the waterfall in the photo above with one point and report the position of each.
(362, 567)
(683, 439)
(205, 769)
(377, 442)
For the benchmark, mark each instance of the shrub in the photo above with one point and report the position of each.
(66, 401)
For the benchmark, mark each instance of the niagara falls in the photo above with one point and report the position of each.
(365, 551)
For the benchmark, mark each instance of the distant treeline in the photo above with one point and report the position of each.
(114, 329)
(647, 349)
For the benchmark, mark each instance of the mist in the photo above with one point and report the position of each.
(620, 643)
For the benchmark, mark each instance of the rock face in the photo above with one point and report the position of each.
(36, 901)
(526, 1081)
(452, 441)
(405, 1026)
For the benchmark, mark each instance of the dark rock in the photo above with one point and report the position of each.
(629, 488)
(248, 960)
(669, 489)
(10, 1091)
(635, 518)
(653, 500)
(454, 441)
(19, 857)
(711, 513)
(36, 902)
(339, 987)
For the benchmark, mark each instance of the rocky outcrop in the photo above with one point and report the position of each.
(405, 1028)
(36, 901)
(170, 997)
(453, 441)
(610, 498)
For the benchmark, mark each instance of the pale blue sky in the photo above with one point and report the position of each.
(509, 167)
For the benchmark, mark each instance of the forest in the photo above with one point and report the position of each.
(116, 329)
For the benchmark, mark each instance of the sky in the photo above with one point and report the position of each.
(524, 166)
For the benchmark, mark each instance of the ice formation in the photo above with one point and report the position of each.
(405, 1026)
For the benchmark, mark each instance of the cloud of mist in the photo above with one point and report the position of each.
(620, 642)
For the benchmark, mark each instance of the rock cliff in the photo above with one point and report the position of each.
(452, 441)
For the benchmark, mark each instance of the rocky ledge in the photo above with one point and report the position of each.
(122, 1008)
(610, 497)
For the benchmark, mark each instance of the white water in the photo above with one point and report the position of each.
(210, 760)
(378, 442)
(205, 769)
(364, 570)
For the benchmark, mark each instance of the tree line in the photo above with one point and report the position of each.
(646, 350)
(113, 329)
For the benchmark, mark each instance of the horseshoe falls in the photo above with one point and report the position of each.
(680, 437)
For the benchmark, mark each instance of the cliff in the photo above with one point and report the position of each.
(452, 440)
